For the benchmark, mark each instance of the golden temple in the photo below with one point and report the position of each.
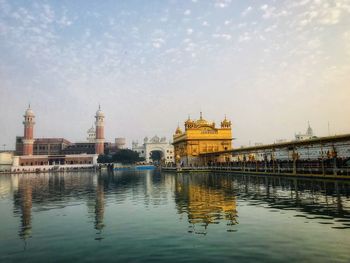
(200, 136)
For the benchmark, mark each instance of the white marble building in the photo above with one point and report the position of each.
(306, 136)
(91, 134)
(155, 144)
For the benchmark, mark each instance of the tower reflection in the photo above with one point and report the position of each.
(23, 206)
(99, 204)
(205, 202)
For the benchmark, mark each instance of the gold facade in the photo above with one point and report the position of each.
(199, 137)
(206, 201)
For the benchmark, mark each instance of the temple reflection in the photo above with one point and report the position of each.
(205, 202)
(204, 199)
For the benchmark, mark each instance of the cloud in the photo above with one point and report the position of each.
(158, 42)
(247, 11)
(223, 36)
(272, 12)
(244, 37)
(187, 12)
(189, 31)
(222, 3)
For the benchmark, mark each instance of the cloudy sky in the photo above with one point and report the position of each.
(269, 65)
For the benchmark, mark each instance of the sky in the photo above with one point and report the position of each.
(270, 66)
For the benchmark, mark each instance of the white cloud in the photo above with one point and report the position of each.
(244, 37)
(187, 12)
(223, 36)
(158, 42)
(270, 28)
(189, 31)
(222, 3)
(246, 11)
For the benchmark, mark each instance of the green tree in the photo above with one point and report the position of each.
(104, 158)
(126, 156)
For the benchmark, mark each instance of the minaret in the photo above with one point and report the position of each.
(99, 142)
(28, 140)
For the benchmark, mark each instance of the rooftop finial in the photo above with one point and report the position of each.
(201, 115)
(99, 106)
(29, 105)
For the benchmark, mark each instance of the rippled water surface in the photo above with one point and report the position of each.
(163, 217)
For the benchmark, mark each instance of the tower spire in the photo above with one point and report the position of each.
(201, 115)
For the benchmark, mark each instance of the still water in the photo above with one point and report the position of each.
(162, 217)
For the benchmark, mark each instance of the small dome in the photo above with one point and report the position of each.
(29, 112)
(225, 123)
(189, 121)
(99, 113)
(178, 130)
(309, 130)
(201, 121)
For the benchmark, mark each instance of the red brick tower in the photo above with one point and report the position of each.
(28, 140)
(99, 142)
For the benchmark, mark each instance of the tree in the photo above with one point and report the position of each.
(126, 156)
(104, 158)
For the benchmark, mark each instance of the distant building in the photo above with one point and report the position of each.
(91, 134)
(155, 144)
(42, 146)
(32, 163)
(307, 136)
(120, 143)
(200, 137)
(6, 159)
(83, 147)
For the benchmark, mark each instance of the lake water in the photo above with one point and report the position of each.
(163, 217)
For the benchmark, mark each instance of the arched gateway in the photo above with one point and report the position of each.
(155, 148)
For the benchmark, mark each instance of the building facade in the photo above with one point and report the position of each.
(91, 135)
(155, 144)
(201, 136)
(309, 134)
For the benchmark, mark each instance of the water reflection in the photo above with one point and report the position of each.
(23, 207)
(205, 201)
(311, 197)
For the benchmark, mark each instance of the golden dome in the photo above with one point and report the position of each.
(189, 120)
(226, 123)
(201, 121)
(189, 123)
(178, 130)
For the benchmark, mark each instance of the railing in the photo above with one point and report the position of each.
(318, 167)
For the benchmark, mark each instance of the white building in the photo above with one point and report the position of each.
(91, 134)
(155, 144)
(120, 143)
(307, 136)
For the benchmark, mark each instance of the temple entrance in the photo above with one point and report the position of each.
(156, 156)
